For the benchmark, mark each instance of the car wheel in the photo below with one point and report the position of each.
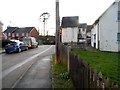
(37, 46)
(7, 52)
(27, 48)
(19, 50)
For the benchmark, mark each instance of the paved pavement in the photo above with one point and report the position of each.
(38, 76)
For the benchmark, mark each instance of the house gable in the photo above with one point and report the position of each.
(34, 33)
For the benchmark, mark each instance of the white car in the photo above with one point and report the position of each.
(30, 41)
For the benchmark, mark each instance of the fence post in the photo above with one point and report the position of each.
(107, 84)
(68, 63)
(114, 86)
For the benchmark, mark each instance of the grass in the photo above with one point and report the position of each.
(1, 48)
(106, 62)
(60, 76)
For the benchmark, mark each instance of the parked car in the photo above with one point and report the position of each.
(82, 40)
(30, 42)
(15, 46)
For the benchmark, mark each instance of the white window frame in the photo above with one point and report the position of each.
(9, 34)
(23, 34)
(13, 34)
(17, 34)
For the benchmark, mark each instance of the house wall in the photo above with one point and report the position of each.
(109, 29)
(83, 32)
(69, 34)
(34, 33)
(1, 29)
(119, 27)
(94, 36)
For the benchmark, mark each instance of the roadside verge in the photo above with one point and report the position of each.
(60, 76)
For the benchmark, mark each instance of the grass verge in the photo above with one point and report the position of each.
(60, 76)
(106, 62)
(1, 48)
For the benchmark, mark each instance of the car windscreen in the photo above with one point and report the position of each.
(12, 43)
(26, 40)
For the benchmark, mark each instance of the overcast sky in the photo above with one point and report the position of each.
(23, 13)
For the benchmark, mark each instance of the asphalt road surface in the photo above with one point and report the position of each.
(15, 64)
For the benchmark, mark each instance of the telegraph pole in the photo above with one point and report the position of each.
(44, 16)
(57, 33)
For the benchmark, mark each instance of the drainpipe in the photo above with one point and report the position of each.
(98, 36)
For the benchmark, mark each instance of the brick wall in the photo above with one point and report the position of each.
(34, 33)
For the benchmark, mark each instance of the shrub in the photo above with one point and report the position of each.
(4, 42)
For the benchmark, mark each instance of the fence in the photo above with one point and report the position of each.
(83, 76)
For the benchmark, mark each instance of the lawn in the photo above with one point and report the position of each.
(106, 62)
(60, 76)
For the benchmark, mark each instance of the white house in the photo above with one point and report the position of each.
(105, 33)
(70, 29)
(84, 34)
(82, 30)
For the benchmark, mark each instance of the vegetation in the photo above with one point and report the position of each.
(4, 42)
(0, 48)
(106, 62)
(60, 76)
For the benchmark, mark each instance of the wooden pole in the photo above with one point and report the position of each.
(57, 33)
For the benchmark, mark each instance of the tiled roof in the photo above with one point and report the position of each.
(10, 29)
(23, 30)
(82, 25)
(18, 30)
(70, 21)
(89, 27)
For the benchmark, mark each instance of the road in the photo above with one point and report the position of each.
(15, 64)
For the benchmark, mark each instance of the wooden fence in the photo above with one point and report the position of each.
(83, 76)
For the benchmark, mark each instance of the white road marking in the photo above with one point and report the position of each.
(6, 72)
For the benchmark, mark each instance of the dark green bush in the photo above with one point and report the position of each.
(4, 42)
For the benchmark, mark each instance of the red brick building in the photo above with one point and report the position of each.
(16, 32)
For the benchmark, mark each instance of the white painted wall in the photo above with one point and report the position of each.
(94, 31)
(69, 34)
(106, 30)
(108, 26)
(119, 27)
(1, 26)
(83, 32)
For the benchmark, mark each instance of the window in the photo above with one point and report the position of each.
(23, 34)
(118, 15)
(13, 35)
(17, 34)
(27, 34)
(118, 36)
(9, 34)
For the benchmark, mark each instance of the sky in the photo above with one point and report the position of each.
(26, 13)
